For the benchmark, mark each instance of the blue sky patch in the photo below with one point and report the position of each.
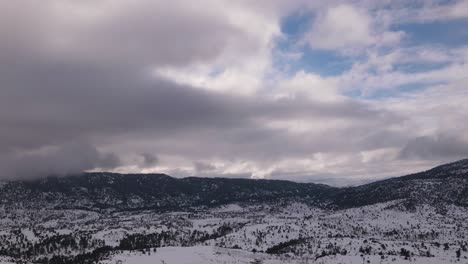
(323, 62)
(419, 67)
(453, 33)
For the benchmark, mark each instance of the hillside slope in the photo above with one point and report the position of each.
(446, 184)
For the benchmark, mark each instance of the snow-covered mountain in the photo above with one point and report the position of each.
(94, 191)
(154, 218)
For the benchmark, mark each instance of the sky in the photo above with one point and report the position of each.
(335, 92)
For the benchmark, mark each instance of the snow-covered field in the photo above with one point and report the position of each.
(208, 254)
(237, 233)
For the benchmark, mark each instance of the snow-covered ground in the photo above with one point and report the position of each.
(237, 233)
(207, 254)
(187, 255)
(4, 260)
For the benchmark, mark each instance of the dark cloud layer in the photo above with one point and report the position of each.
(203, 167)
(61, 98)
(117, 32)
(77, 92)
(93, 87)
(66, 159)
(149, 159)
(445, 147)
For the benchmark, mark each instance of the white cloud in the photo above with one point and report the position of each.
(433, 11)
(341, 26)
(242, 65)
(347, 27)
(249, 118)
(383, 71)
(311, 86)
(459, 10)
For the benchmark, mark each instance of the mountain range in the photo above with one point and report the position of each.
(447, 184)
(113, 218)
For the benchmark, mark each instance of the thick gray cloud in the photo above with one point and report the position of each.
(59, 97)
(43, 103)
(203, 167)
(149, 159)
(65, 80)
(118, 32)
(445, 147)
(66, 159)
(78, 92)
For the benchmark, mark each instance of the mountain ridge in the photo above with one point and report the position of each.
(108, 217)
(447, 183)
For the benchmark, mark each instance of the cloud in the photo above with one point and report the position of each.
(345, 26)
(439, 147)
(417, 65)
(202, 167)
(114, 107)
(100, 85)
(62, 160)
(433, 11)
(342, 26)
(149, 159)
(123, 31)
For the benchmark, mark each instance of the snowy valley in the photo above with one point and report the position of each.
(420, 218)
